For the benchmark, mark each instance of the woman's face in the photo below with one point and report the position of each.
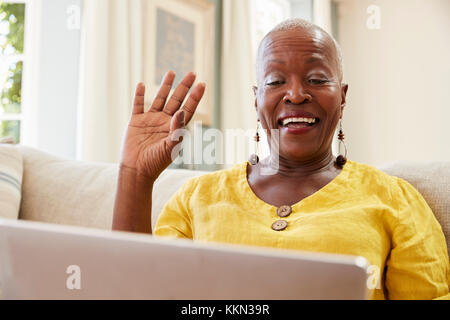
(300, 92)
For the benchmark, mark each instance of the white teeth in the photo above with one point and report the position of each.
(289, 120)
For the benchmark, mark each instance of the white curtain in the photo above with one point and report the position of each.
(111, 66)
(237, 75)
(322, 14)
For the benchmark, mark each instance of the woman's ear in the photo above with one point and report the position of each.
(343, 97)
(255, 91)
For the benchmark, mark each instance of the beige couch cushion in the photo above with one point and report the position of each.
(10, 181)
(63, 191)
(432, 180)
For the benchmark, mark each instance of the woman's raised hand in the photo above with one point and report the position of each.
(150, 137)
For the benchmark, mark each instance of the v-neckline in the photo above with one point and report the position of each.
(336, 182)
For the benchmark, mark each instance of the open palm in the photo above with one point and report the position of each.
(151, 136)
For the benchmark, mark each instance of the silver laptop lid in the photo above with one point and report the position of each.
(43, 261)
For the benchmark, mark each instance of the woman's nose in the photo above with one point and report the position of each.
(296, 94)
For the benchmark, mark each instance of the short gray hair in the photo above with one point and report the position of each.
(301, 24)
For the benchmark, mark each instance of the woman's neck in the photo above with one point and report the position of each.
(300, 168)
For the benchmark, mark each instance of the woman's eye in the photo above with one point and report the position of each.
(318, 81)
(275, 83)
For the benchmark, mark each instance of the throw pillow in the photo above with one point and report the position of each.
(11, 168)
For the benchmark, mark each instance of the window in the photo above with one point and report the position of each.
(12, 34)
(266, 15)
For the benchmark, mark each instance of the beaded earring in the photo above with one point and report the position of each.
(254, 158)
(341, 160)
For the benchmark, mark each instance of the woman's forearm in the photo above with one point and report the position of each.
(133, 204)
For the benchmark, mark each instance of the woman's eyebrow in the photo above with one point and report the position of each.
(311, 60)
(277, 61)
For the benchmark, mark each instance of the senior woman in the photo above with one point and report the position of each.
(313, 201)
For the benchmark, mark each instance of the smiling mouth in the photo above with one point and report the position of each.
(297, 123)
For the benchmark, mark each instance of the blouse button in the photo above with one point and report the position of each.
(284, 211)
(279, 225)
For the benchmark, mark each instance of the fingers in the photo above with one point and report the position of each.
(177, 122)
(179, 94)
(161, 96)
(139, 96)
(192, 102)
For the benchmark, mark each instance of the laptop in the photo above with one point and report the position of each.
(47, 261)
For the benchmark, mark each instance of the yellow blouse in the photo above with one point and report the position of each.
(363, 212)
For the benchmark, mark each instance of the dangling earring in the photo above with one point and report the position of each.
(254, 159)
(341, 160)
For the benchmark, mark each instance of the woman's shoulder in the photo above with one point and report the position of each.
(367, 171)
(218, 178)
(376, 180)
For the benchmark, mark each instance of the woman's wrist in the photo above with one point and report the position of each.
(134, 174)
(133, 204)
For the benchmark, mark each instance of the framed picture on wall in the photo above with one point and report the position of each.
(183, 40)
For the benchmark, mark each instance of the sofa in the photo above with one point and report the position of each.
(38, 186)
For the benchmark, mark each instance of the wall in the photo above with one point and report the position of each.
(399, 79)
